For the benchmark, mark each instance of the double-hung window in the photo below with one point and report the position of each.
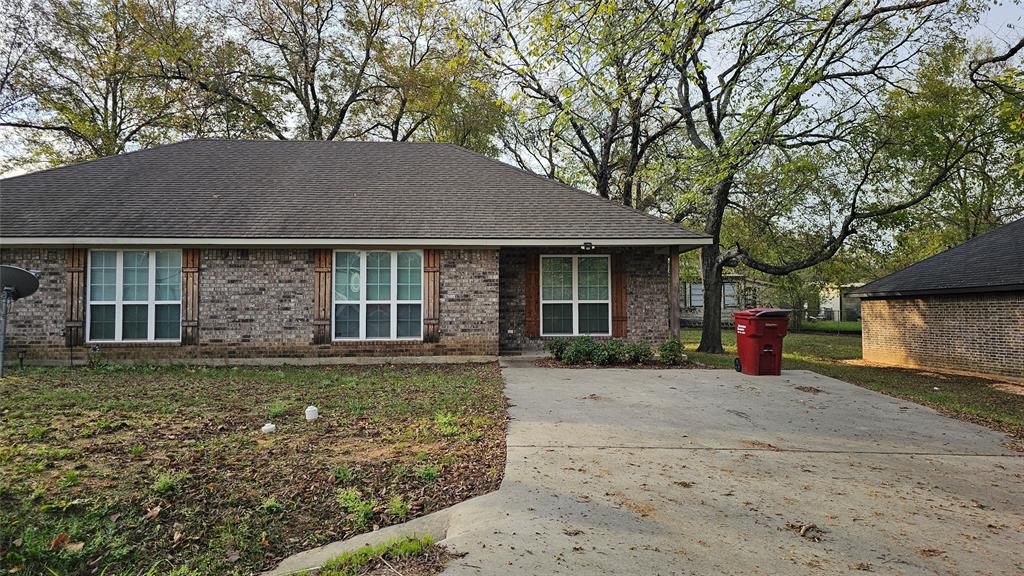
(575, 295)
(729, 297)
(696, 295)
(378, 295)
(134, 295)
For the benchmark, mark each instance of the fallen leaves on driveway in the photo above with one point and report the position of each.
(931, 552)
(761, 445)
(809, 531)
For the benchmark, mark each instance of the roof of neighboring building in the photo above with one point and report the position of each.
(992, 262)
(224, 190)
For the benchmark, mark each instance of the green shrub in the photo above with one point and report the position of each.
(639, 353)
(615, 352)
(557, 347)
(580, 350)
(671, 352)
(600, 354)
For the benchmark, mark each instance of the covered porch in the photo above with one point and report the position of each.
(627, 292)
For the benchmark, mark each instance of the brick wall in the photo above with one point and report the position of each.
(38, 321)
(977, 333)
(259, 303)
(647, 287)
(255, 296)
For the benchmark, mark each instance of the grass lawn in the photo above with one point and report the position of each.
(962, 396)
(164, 470)
(834, 326)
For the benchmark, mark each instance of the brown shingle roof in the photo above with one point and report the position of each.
(312, 190)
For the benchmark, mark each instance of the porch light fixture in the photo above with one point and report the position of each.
(587, 246)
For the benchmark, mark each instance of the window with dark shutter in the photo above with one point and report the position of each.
(74, 308)
(322, 295)
(432, 295)
(190, 296)
(532, 289)
(620, 302)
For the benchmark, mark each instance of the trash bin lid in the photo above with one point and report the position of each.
(763, 312)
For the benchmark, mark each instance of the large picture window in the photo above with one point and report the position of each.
(134, 295)
(575, 295)
(378, 295)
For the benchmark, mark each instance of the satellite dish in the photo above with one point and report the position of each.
(15, 283)
(18, 282)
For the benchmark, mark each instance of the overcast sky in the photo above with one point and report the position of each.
(1004, 23)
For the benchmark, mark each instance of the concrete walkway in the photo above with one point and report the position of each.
(713, 472)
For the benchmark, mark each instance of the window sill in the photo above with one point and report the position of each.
(362, 340)
(102, 343)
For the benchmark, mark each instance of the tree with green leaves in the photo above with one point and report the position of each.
(985, 190)
(790, 151)
(85, 78)
(589, 87)
(1000, 75)
(334, 69)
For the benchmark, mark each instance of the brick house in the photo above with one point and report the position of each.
(961, 310)
(261, 251)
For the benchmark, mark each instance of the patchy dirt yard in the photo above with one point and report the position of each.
(164, 470)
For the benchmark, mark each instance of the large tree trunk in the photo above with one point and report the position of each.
(711, 266)
(711, 327)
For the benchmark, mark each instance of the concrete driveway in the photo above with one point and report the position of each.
(713, 472)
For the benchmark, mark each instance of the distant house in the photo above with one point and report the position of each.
(836, 303)
(962, 309)
(739, 292)
(260, 250)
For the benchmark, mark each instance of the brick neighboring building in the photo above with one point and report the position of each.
(961, 310)
(270, 251)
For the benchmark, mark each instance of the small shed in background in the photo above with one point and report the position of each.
(962, 309)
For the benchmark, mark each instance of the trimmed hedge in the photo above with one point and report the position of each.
(557, 348)
(671, 352)
(639, 353)
(586, 350)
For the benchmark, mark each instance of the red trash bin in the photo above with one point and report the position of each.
(759, 334)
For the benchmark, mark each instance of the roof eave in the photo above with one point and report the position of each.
(937, 291)
(30, 241)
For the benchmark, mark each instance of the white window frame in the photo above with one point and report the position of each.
(394, 301)
(119, 302)
(735, 294)
(689, 294)
(575, 295)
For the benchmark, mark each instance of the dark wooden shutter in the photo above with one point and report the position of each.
(322, 263)
(532, 287)
(190, 296)
(619, 300)
(432, 295)
(74, 306)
